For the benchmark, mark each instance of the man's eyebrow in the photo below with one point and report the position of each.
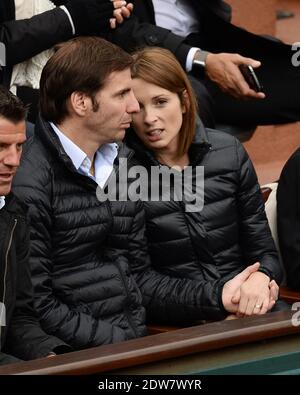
(125, 90)
(8, 140)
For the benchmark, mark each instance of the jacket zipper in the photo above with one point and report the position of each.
(131, 323)
(6, 266)
(182, 207)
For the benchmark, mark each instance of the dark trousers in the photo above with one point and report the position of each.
(280, 79)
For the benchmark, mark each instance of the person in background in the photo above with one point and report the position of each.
(211, 49)
(30, 28)
(288, 219)
(21, 337)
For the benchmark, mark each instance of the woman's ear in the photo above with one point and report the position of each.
(185, 101)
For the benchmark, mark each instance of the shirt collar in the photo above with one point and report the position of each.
(2, 202)
(72, 150)
(104, 157)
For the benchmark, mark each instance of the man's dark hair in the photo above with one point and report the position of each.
(11, 107)
(81, 64)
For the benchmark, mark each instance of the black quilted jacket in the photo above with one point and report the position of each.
(229, 233)
(20, 333)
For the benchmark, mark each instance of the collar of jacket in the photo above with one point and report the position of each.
(7, 10)
(44, 132)
(219, 8)
(198, 149)
(14, 206)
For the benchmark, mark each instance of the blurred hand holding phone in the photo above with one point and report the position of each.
(251, 78)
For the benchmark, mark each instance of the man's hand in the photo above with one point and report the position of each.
(274, 293)
(122, 10)
(232, 286)
(254, 295)
(223, 69)
(96, 17)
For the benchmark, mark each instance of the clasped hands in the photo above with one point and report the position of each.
(250, 293)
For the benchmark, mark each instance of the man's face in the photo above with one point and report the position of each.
(116, 104)
(12, 137)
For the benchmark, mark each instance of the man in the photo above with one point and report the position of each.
(201, 36)
(20, 333)
(31, 34)
(87, 256)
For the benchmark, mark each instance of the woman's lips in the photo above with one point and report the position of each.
(154, 135)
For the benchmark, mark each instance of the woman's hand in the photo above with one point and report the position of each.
(254, 296)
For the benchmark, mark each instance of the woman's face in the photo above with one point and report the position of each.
(160, 118)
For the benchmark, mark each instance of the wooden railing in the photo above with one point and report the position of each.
(182, 342)
(289, 295)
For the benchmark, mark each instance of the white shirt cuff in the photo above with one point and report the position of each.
(189, 58)
(70, 18)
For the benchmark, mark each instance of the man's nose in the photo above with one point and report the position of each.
(12, 156)
(133, 105)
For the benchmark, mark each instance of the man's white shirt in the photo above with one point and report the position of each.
(179, 17)
(104, 158)
(2, 202)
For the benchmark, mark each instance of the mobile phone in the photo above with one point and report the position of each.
(251, 77)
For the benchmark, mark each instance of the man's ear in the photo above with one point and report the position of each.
(79, 103)
(185, 101)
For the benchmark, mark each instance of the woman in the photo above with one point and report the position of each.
(231, 231)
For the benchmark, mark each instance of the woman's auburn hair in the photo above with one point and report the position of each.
(159, 66)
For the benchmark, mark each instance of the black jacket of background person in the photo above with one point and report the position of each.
(88, 257)
(22, 335)
(229, 233)
(288, 219)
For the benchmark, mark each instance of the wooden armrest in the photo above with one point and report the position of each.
(289, 295)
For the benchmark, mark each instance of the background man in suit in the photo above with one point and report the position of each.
(210, 48)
